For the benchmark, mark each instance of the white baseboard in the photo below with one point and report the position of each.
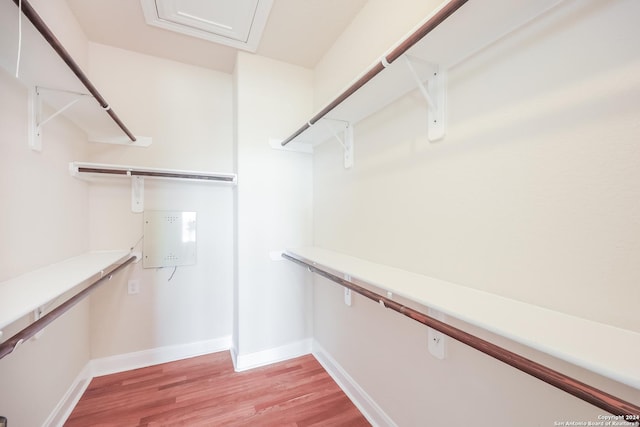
(367, 406)
(234, 357)
(154, 356)
(244, 362)
(70, 399)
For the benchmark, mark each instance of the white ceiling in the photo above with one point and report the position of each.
(297, 31)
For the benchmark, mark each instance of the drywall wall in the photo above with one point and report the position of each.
(44, 219)
(62, 22)
(533, 194)
(373, 32)
(187, 111)
(274, 209)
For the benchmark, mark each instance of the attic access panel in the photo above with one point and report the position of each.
(169, 239)
(236, 23)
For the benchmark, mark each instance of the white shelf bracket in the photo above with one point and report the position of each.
(434, 91)
(37, 315)
(137, 194)
(35, 117)
(437, 343)
(346, 140)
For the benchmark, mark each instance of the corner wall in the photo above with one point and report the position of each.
(274, 211)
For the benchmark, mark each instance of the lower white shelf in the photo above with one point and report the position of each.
(23, 294)
(569, 338)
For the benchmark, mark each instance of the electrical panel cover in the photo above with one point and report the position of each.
(169, 239)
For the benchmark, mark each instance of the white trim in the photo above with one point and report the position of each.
(65, 406)
(243, 362)
(234, 357)
(367, 406)
(124, 362)
(154, 356)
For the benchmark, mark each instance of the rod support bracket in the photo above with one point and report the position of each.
(436, 340)
(434, 91)
(137, 193)
(36, 120)
(37, 315)
(342, 131)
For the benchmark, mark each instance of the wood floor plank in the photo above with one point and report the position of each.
(206, 391)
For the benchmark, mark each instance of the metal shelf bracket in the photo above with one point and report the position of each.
(36, 121)
(137, 193)
(434, 91)
(343, 133)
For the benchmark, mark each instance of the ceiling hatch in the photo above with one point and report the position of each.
(236, 23)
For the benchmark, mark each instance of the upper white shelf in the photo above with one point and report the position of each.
(137, 174)
(570, 338)
(41, 67)
(22, 295)
(475, 25)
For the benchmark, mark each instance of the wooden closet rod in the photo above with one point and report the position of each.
(10, 344)
(48, 35)
(559, 380)
(415, 37)
(158, 174)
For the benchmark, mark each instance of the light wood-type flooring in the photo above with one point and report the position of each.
(206, 391)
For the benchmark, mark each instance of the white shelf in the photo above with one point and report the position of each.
(137, 174)
(40, 66)
(573, 339)
(477, 24)
(22, 295)
(84, 169)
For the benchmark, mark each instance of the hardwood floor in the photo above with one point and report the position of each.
(206, 391)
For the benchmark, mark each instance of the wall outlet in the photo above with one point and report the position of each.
(133, 287)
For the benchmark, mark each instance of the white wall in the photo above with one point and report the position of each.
(273, 205)
(44, 219)
(62, 22)
(371, 34)
(188, 112)
(533, 194)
